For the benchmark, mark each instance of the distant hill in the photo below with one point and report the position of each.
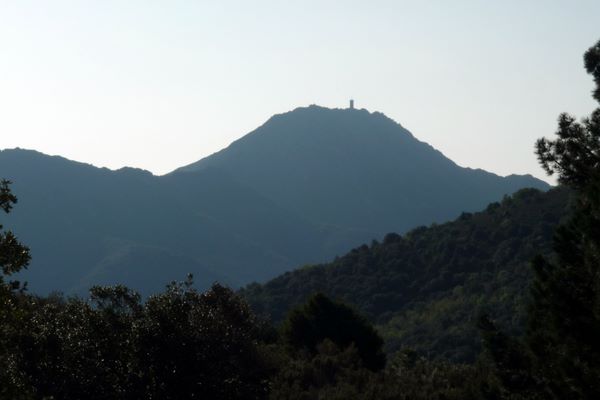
(304, 187)
(89, 225)
(426, 289)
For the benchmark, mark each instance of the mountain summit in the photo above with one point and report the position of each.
(356, 170)
(304, 187)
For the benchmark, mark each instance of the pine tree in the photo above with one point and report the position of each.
(564, 318)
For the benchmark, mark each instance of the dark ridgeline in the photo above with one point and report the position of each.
(307, 185)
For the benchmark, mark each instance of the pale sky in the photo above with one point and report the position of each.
(160, 84)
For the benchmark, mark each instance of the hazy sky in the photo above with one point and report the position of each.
(159, 84)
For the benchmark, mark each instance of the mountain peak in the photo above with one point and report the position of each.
(316, 110)
(314, 131)
(356, 163)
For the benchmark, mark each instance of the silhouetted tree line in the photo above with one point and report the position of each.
(182, 344)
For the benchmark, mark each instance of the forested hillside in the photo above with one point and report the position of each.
(426, 289)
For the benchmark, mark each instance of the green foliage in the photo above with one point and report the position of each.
(338, 374)
(329, 373)
(564, 324)
(415, 377)
(320, 318)
(513, 363)
(425, 289)
(182, 344)
(575, 154)
(178, 344)
(560, 356)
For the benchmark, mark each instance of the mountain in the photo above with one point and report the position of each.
(89, 225)
(356, 170)
(307, 185)
(426, 289)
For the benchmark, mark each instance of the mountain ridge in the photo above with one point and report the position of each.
(317, 145)
(303, 187)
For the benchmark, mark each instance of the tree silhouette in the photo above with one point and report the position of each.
(564, 318)
(14, 256)
(321, 318)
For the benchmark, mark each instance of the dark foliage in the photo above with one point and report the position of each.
(14, 256)
(307, 326)
(182, 345)
(560, 355)
(591, 61)
(338, 374)
(575, 155)
(425, 289)
(564, 316)
(513, 363)
(179, 344)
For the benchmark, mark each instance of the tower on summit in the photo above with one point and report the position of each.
(351, 104)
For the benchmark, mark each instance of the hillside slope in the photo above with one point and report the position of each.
(425, 289)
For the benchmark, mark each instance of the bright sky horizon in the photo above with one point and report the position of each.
(158, 85)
